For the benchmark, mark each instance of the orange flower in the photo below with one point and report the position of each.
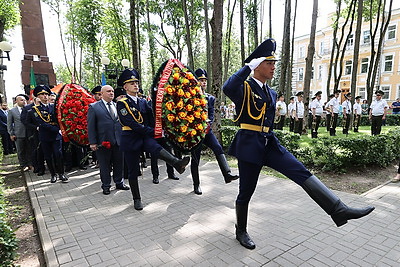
(190, 118)
(184, 128)
(185, 81)
(193, 91)
(198, 89)
(203, 102)
(188, 94)
(196, 102)
(181, 139)
(180, 92)
(182, 115)
(193, 132)
(189, 75)
(204, 115)
(197, 114)
(170, 117)
(189, 107)
(199, 127)
(169, 105)
(170, 90)
(176, 76)
(179, 104)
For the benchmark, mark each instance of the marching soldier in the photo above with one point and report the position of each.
(210, 141)
(255, 144)
(136, 118)
(49, 133)
(357, 113)
(346, 105)
(317, 110)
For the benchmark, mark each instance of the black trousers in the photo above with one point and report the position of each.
(298, 126)
(376, 125)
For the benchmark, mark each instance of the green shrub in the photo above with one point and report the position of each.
(8, 241)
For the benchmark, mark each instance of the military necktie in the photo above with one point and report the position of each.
(266, 91)
(111, 110)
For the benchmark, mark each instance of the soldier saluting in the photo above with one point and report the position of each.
(255, 145)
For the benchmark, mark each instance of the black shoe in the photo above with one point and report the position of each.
(53, 179)
(137, 204)
(244, 239)
(155, 180)
(229, 178)
(122, 187)
(173, 177)
(106, 191)
(197, 190)
(64, 178)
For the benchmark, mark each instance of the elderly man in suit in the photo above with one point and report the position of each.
(104, 132)
(5, 137)
(17, 131)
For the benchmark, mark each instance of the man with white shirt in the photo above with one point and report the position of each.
(281, 111)
(377, 112)
(357, 113)
(291, 109)
(346, 105)
(334, 108)
(17, 131)
(317, 110)
(299, 113)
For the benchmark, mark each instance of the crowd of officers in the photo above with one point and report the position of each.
(328, 113)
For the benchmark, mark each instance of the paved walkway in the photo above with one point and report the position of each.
(79, 226)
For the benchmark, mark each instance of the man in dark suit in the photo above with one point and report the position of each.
(210, 141)
(104, 126)
(49, 134)
(17, 131)
(5, 136)
(255, 144)
(137, 122)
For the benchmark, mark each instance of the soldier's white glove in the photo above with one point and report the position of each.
(255, 62)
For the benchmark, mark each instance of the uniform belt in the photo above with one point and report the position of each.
(126, 128)
(252, 127)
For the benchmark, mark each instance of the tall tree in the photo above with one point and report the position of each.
(310, 60)
(242, 46)
(270, 18)
(228, 34)
(150, 36)
(9, 15)
(289, 74)
(188, 36)
(356, 49)
(216, 28)
(208, 42)
(382, 23)
(134, 36)
(285, 59)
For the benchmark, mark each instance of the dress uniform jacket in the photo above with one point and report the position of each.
(46, 120)
(255, 142)
(136, 119)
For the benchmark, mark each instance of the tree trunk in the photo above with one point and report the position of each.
(309, 62)
(188, 37)
(270, 18)
(288, 93)
(285, 48)
(255, 15)
(152, 45)
(332, 63)
(216, 27)
(135, 58)
(208, 46)
(242, 48)
(357, 38)
(228, 35)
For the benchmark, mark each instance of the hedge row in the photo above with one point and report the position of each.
(339, 153)
(391, 120)
(8, 241)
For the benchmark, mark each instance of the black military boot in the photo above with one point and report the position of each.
(226, 171)
(178, 164)
(331, 204)
(60, 170)
(155, 179)
(194, 169)
(137, 202)
(241, 233)
(50, 166)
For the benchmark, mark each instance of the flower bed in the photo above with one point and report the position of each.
(72, 106)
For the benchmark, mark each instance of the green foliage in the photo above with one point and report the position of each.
(9, 14)
(8, 241)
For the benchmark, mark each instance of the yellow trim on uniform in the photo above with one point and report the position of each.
(47, 120)
(271, 58)
(247, 94)
(139, 119)
(256, 128)
(126, 128)
(131, 80)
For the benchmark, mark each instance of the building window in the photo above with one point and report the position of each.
(312, 73)
(301, 52)
(398, 91)
(366, 37)
(348, 66)
(362, 93)
(350, 42)
(364, 65)
(391, 32)
(301, 74)
(386, 91)
(388, 63)
(320, 72)
(321, 48)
